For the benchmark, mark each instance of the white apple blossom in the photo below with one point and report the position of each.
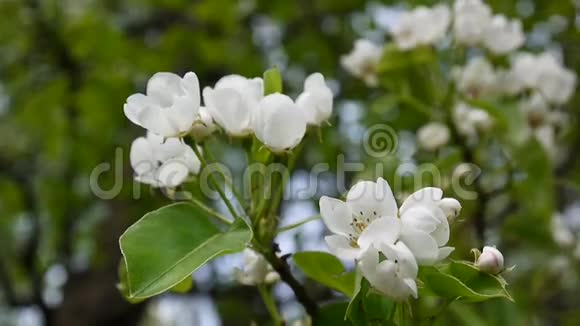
(395, 276)
(490, 260)
(279, 123)
(433, 136)
(561, 233)
(471, 19)
(162, 163)
(316, 100)
(507, 83)
(421, 26)
(424, 225)
(476, 79)
(233, 101)
(525, 68)
(362, 61)
(471, 121)
(369, 216)
(203, 126)
(170, 105)
(503, 35)
(557, 84)
(545, 74)
(256, 270)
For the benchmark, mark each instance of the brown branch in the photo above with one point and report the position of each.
(281, 266)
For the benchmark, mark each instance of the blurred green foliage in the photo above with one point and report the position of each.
(67, 66)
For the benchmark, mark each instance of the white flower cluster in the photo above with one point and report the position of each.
(370, 223)
(433, 136)
(540, 73)
(256, 270)
(471, 121)
(472, 24)
(548, 83)
(543, 73)
(162, 163)
(421, 26)
(362, 61)
(171, 109)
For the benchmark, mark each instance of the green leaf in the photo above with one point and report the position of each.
(272, 81)
(396, 59)
(184, 286)
(462, 281)
(325, 269)
(370, 308)
(123, 286)
(331, 314)
(165, 246)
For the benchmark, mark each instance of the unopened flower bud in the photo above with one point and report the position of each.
(490, 260)
(256, 270)
(451, 207)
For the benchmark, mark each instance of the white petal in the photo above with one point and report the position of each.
(441, 233)
(190, 83)
(165, 149)
(336, 215)
(405, 258)
(370, 200)
(340, 246)
(421, 244)
(368, 263)
(228, 110)
(283, 126)
(420, 218)
(136, 103)
(444, 252)
(172, 173)
(142, 157)
(155, 120)
(382, 230)
(307, 104)
(183, 113)
(191, 160)
(163, 87)
(429, 195)
(412, 285)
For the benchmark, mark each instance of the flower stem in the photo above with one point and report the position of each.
(297, 224)
(215, 184)
(275, 203)
(210, 211)
(229, 182)
(270, 304)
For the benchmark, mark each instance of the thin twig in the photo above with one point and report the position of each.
(270, 304)
(229, 182)
(283, 269)
(297, 224)
(215, 184)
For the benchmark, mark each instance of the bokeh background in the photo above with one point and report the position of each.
(66, 68)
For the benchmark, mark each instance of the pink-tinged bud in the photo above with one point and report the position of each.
(490, 260)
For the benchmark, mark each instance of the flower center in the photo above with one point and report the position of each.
(359, 223)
